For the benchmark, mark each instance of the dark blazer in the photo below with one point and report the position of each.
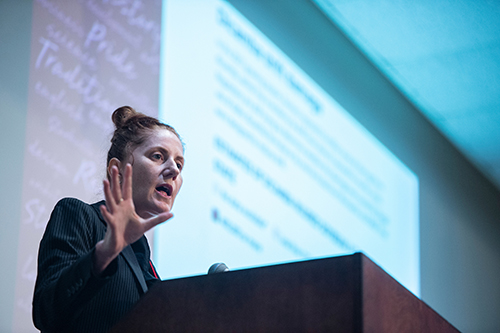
(68, 296)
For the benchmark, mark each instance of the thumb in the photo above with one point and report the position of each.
(157, 219)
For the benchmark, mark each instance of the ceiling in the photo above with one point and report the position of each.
(445, 56)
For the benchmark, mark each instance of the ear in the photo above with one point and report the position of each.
(114, 162)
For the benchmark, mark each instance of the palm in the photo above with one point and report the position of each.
(125, 226)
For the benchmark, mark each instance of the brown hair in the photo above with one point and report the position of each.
(132, 129)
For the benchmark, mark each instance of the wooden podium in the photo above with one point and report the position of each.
(338, 294)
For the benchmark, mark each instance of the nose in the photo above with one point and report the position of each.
(171, 170)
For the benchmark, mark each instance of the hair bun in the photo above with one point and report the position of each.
(121, 115)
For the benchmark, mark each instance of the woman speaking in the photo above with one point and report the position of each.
(93, 261)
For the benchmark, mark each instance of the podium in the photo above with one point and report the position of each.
(338, 294)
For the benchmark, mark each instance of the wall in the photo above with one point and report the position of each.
(15, 32)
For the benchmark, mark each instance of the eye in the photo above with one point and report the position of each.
(157, 157)
(179, 166)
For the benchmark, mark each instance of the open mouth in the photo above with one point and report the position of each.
(165, 190)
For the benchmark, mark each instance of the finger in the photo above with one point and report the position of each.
(108, 196)
(155, 220)
(115, 185)
(127, 182)
(105, 214)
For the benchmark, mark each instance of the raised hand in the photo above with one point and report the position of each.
(125, 226)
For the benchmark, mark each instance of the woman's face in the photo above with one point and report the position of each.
(156, 172)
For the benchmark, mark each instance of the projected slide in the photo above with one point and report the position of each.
(276, 170)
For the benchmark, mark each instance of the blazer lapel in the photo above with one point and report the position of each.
(127, 253)
(131, 260)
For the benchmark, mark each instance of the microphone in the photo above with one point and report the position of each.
(218, 267)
